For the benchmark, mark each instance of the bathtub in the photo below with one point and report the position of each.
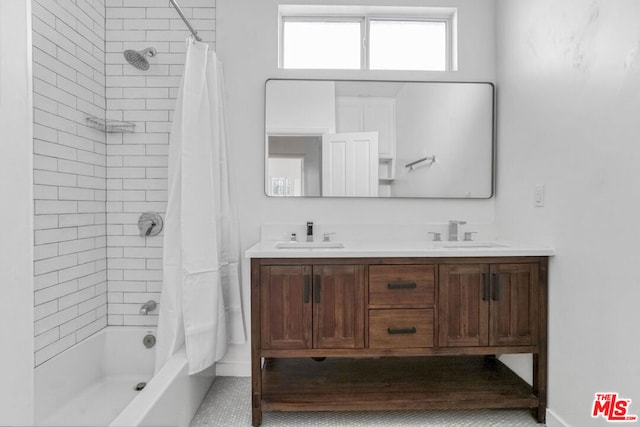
(93, 383)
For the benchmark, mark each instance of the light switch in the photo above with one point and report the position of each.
(539, 195)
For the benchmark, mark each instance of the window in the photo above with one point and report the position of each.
(359, 37)
(321, 44)
(407, 45)
(286, 175)
(281, 187)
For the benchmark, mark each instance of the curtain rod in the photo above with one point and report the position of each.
(186, 21)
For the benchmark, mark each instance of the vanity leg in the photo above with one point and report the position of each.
(256, 360)
(540, 386)
(256, 391)
(256, 414)
(540, 363)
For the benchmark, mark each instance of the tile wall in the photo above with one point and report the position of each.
(69, 174)
(91, 266)
(137, 162)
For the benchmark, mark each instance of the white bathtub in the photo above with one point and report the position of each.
(93, 384)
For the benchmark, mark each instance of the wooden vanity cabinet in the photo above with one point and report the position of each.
(312, 307)
(379, 322)
(488, 305)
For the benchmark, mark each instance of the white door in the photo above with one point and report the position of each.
(350, 164)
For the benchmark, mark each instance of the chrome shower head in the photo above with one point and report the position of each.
(139, 59)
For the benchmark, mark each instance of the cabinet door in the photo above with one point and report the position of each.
(514, 304)
(355, 114)
(463, 306)
(338, 306)
(349, 115)
(285, 307)
(380, 116)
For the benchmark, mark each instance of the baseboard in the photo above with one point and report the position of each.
(233, 369)
(554, 420)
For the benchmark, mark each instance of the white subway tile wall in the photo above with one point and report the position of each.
(91, 266)
(69, 174)
(137, 162)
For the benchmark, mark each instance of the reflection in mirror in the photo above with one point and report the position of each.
(294, 165)
(379, 139)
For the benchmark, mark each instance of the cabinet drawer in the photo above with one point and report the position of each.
(407, 285)
(408, 328)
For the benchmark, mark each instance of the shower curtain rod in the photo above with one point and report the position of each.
(186, 21)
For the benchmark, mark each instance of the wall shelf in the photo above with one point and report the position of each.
(387, 169)
(110, 126)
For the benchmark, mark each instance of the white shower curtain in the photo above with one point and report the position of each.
(200, 300)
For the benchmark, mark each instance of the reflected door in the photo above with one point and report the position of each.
(350, 164)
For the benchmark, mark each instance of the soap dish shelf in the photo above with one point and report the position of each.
(110, 126)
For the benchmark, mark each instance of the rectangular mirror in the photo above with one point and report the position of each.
(346, 138)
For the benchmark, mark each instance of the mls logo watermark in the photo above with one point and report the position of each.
(612, 408)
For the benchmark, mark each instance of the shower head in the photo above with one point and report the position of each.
(139, 59)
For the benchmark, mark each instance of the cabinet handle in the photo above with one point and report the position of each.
(398, 331)
(307, 289)
(401, 285)
(496, 287)
(317, 288)
(485, 287)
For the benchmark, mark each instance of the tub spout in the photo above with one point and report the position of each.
(147, 307)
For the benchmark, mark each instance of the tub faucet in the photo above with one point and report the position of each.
(453, 229)
(147, 307)
(309, 231)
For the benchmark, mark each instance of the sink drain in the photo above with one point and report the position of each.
(140, 386)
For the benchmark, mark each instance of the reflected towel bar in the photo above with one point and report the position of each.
(186, 21)
(431, 159)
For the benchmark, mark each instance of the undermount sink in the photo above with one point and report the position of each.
(309, 245)
(470, 245)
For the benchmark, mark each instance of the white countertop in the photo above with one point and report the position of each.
(370, 249)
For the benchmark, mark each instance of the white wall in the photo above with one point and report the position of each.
(569, 103)
(16, 215)
(301, 106)
(247, 44)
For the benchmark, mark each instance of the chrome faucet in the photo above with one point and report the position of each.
(453, 229)
(147, 307)
(309, 231)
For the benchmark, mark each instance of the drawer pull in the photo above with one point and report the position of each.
(307, 289)
(485, 287)
(496, 287)
(402, 285)
(317, 289)
(398, 331)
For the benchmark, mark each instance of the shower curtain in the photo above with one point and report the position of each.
(200, 300)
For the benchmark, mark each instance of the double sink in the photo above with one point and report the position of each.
(434, 245)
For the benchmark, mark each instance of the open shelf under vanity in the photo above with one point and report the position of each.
(392, 383)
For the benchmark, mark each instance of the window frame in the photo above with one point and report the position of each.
(365, 15)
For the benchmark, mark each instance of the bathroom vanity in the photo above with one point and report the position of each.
(396, 326)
